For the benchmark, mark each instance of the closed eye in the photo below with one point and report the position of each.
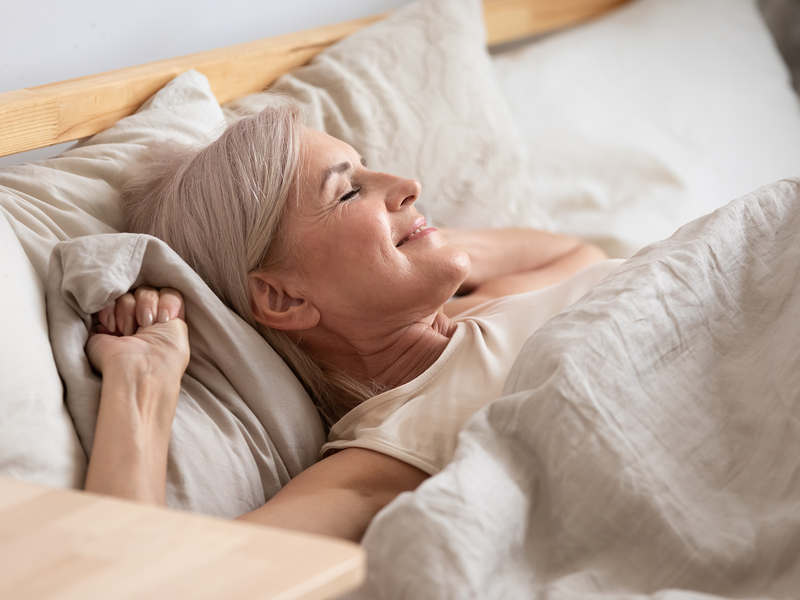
(349, 195)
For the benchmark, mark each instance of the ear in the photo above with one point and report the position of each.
(275, 307)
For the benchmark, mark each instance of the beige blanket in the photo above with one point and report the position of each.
(648, 445)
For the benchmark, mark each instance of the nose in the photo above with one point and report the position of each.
(402, 192)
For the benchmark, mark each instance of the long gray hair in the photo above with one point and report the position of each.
(221, 209)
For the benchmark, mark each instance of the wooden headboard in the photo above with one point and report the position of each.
(69, 110)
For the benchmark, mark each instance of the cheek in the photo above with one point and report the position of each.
(351, 246)
(363, 237)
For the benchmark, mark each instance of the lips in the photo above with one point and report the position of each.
(418, 227)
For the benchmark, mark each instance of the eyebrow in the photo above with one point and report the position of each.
(342, 167)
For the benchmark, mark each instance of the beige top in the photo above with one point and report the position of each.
(419, 421)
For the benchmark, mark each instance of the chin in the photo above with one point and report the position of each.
(459, 266)
(464, 264)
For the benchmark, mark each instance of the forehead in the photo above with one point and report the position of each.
(321, 151)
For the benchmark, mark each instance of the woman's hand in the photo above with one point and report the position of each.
(143, 329)
(141, 347)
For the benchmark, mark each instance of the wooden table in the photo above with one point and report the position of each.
(65, 544)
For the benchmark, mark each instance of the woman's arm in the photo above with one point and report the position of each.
(514, 261)
(142, 350)
(495, 253)
(142, 362)
(339, 495)
(129, 454)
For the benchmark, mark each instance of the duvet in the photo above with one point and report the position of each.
(647, 444)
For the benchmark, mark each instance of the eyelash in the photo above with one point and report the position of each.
(349, 195)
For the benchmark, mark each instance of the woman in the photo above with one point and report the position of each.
(333, 264)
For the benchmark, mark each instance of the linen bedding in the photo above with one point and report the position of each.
(239, 433)
(648, 442)
(74, 194)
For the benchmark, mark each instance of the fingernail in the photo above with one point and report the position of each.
(147, 317)
(112, 323)
(127, 328)
(163, 315)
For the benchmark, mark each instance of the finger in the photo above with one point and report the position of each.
(125, 314)
(170, 305)
(146, 305)
(98, 327)
(107, 318)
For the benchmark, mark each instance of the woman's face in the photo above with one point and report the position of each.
(365, 251)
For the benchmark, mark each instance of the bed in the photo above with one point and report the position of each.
(645, 445)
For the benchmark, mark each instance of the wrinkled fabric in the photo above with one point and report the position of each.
(648, 443)
(244, 425)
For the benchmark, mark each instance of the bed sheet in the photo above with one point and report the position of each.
(648, 443)
(651, 116)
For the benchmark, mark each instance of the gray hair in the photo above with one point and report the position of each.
(235, 191)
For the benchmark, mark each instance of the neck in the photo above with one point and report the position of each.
(388, 358)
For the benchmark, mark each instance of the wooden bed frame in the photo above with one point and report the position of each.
(42, 527)
(69, 110)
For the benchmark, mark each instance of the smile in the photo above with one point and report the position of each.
(415, 234)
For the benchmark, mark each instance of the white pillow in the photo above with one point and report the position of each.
(651, 116)
(415, 95)
(37, 440)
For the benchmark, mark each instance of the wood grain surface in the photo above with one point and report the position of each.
(65, 544)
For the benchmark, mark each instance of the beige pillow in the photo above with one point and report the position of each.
(415, 95)
(244, 425)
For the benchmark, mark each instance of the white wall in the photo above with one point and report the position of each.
(42, 41)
